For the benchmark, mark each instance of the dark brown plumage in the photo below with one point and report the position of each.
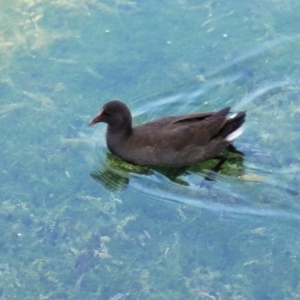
(175, 140)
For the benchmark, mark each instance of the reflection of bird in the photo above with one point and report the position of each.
(170, 141)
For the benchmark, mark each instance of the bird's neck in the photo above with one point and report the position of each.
(116, 139)
(122, 131)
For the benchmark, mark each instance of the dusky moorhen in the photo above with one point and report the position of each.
(169, 141)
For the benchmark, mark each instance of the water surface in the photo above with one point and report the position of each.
(136, 234)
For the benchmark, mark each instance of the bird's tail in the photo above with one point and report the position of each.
(233, 127)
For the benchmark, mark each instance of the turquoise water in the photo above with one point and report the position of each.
(76, 223)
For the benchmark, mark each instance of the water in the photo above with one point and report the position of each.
(132, 232)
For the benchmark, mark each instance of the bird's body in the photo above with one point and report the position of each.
(175, 140)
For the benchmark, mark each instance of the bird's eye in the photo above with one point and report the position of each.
(106, 113)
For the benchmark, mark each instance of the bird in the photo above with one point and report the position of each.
(169, 141)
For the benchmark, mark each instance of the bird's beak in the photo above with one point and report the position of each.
(97, 119)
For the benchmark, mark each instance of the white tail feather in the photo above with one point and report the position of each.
(235, 134)
(232, 116)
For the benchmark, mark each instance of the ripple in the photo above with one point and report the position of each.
(267, 181)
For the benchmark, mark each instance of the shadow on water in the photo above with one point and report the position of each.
(115, 173)
(265, 183)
